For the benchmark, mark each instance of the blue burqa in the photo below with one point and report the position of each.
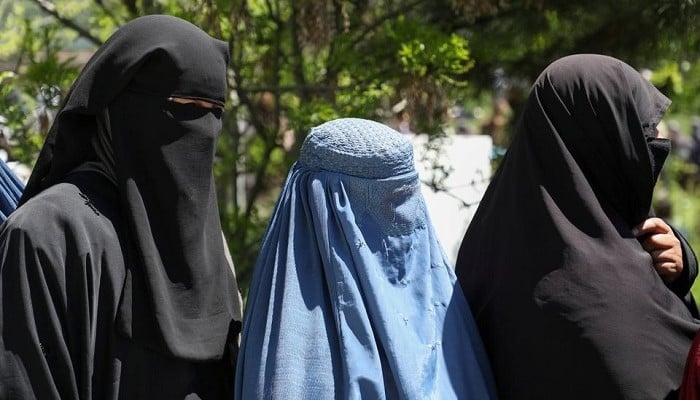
(352, 296)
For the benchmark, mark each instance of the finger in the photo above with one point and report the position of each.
(665, 256)
(666, 267)
(668, 271)
(661, 241)
(651, 225)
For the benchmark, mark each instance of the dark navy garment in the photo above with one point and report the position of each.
(10, 191)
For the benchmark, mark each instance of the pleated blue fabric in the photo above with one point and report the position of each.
(352, 296)
(10, 191)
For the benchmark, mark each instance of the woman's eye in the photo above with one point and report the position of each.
(186, 111)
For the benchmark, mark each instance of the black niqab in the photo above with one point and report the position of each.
(567, 301)
(179, 296)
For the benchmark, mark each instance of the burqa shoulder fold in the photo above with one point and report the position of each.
(10, 191)
(114, 279)
(352, 296)
(567, 301)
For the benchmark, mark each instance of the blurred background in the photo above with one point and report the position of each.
(452, 75)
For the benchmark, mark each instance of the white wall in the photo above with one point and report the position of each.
(468, 159)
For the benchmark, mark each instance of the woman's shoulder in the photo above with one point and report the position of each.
(60, 213)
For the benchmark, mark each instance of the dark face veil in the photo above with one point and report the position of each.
(604, 114)
(179, 297)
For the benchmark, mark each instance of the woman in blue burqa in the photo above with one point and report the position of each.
(114, 280)
(352, 296)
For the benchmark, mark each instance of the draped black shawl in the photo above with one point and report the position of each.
(567, 301)
(179, 296)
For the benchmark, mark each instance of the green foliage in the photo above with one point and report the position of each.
(680, 79)
(29, 98)
(297, 63)
(668, 74)
(676, 198)
(444, 56)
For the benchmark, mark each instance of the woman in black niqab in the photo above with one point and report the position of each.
(114, 280)
(567, 300)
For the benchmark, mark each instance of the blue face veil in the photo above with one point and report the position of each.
(352, 296)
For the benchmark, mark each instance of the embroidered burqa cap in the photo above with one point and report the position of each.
(352, 296)
(567, 301)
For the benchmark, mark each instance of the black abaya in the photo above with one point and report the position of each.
(567, 301)
(62, 279)
(114, 276)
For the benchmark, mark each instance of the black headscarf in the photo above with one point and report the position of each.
(179, 296)
(567, 301)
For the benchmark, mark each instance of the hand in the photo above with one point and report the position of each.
(658, 239)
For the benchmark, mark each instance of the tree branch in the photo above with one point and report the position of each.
(49, 8)
(270, 135)
(286, 88)
(297, 56)
(390, 15)
(108, 13)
